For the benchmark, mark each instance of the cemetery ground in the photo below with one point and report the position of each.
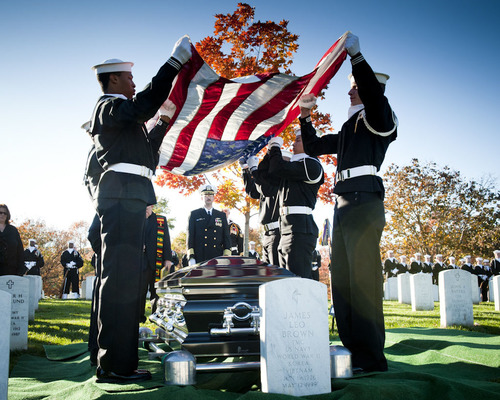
(64, 322)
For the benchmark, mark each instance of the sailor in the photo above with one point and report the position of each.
(427, 267)
(495, 264)
(359, 216)
(236, 235)
(437, 268)
(452, 264)
(259, 185)
(485, 277)
(72, 262)
(390, 265)
(33, 259)
(300, 180)
(403, 267)
(208, 232)
(251, 250)
(416, 265)
(467, 265)
(316, 264)
(123, 191)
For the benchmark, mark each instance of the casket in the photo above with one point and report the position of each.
(212, 309)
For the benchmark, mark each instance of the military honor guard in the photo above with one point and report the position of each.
(416, 265)
(403, 265)
(495, 264)
(33, 259)
(261, 186)
(427, 265)
(300, 180)
(359, 217)
(208, 231)
(251, 250)
(390, 265)
(71, 261)
(467, 265)
(485, 275)
(128, 158)
(236, 235)
(452, 264)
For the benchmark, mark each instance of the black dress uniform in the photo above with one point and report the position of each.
(416, 267)
(121, 145)
(72, 262)
(436, 269)
(236, 236)
(495, 267)
(157, 250)
(300, 180)
(468, 267)
(259, 185)
(359, 218)
(33, 260)
(316, 264)
(208, 235)
(391, 267)
(94, 237)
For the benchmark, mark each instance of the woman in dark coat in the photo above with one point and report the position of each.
(11, 246)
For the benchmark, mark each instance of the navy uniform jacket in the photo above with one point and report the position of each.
(67, 257)
(208, 237)
(33, 256)
(468, 268)
(295, 190)
(495, 267)
(416, 267)
(365, 148)
(389, 266)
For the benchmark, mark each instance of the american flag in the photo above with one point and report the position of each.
(219, 120)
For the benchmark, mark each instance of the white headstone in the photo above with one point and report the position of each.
(422, 296)
(294, 337)
(33, 299)
(435, 291)
(82, 289)
(475, 291)
(391, 288)
(491, 287)
(39, 287)
(456, 298)
(5, 316)
(496, 291)
(89, 286)
(19, 288)
(404, 291)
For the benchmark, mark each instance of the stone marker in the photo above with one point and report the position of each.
(391, 289)
(89, 286)
(39, 288)
(33, 297)
(456, 298)
(5, 316)
(294, 337)
(18, 287)
(404, 291)
(435, 291)
(422, 296)
(491, 287)
(496, 291)
(474, 286)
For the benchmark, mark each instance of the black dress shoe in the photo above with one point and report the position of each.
(138, 375)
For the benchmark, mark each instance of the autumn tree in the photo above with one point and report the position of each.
(240, 47)
(433, 210)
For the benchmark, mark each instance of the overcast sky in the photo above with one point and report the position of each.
(442, 57)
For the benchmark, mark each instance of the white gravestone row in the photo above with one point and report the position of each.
(391, 289)
(5, 316)
(294, 337)
(456, 298)
(404, 291)
(19, 288)
(422, 296)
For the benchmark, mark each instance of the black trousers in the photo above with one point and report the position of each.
(270, 244)
(148, 283)
(93, 346)
(122, 236)
(71, 281)
(357, 280)
(295, 253)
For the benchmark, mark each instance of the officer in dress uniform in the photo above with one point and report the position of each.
(390, 265)
(495, 264)
(300, 180)
(235, 234)
(416, 265)
(157, 255)
(359, 217)
(33, 259)
(127, 157)
(259, 185)
(72, 262)
(208, 232)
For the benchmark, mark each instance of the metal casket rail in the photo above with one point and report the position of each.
(212, 308)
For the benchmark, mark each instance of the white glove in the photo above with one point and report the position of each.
(29, 264)
(394, 271)
(307, 101)
(243, 162)
(276, 141)
(192, 261)
(352, 44)
(168, 109)
(182, 50)
(253, 163)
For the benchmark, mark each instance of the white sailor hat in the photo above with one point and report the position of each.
(466, 257)
(479, 259)
(113, 65)
(417, 254)
(71, 242)
(496, 251)
(298, 132)
(31, 240)
(381, 78)
(207, 189)
(427, 256)
(439, 255)
(251, 242)
(86, 126)
(451, 258)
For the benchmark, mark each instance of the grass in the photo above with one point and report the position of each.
(61, 322)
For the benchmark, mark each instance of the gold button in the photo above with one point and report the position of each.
(205, 245)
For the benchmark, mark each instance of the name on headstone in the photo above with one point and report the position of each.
(18, 287)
